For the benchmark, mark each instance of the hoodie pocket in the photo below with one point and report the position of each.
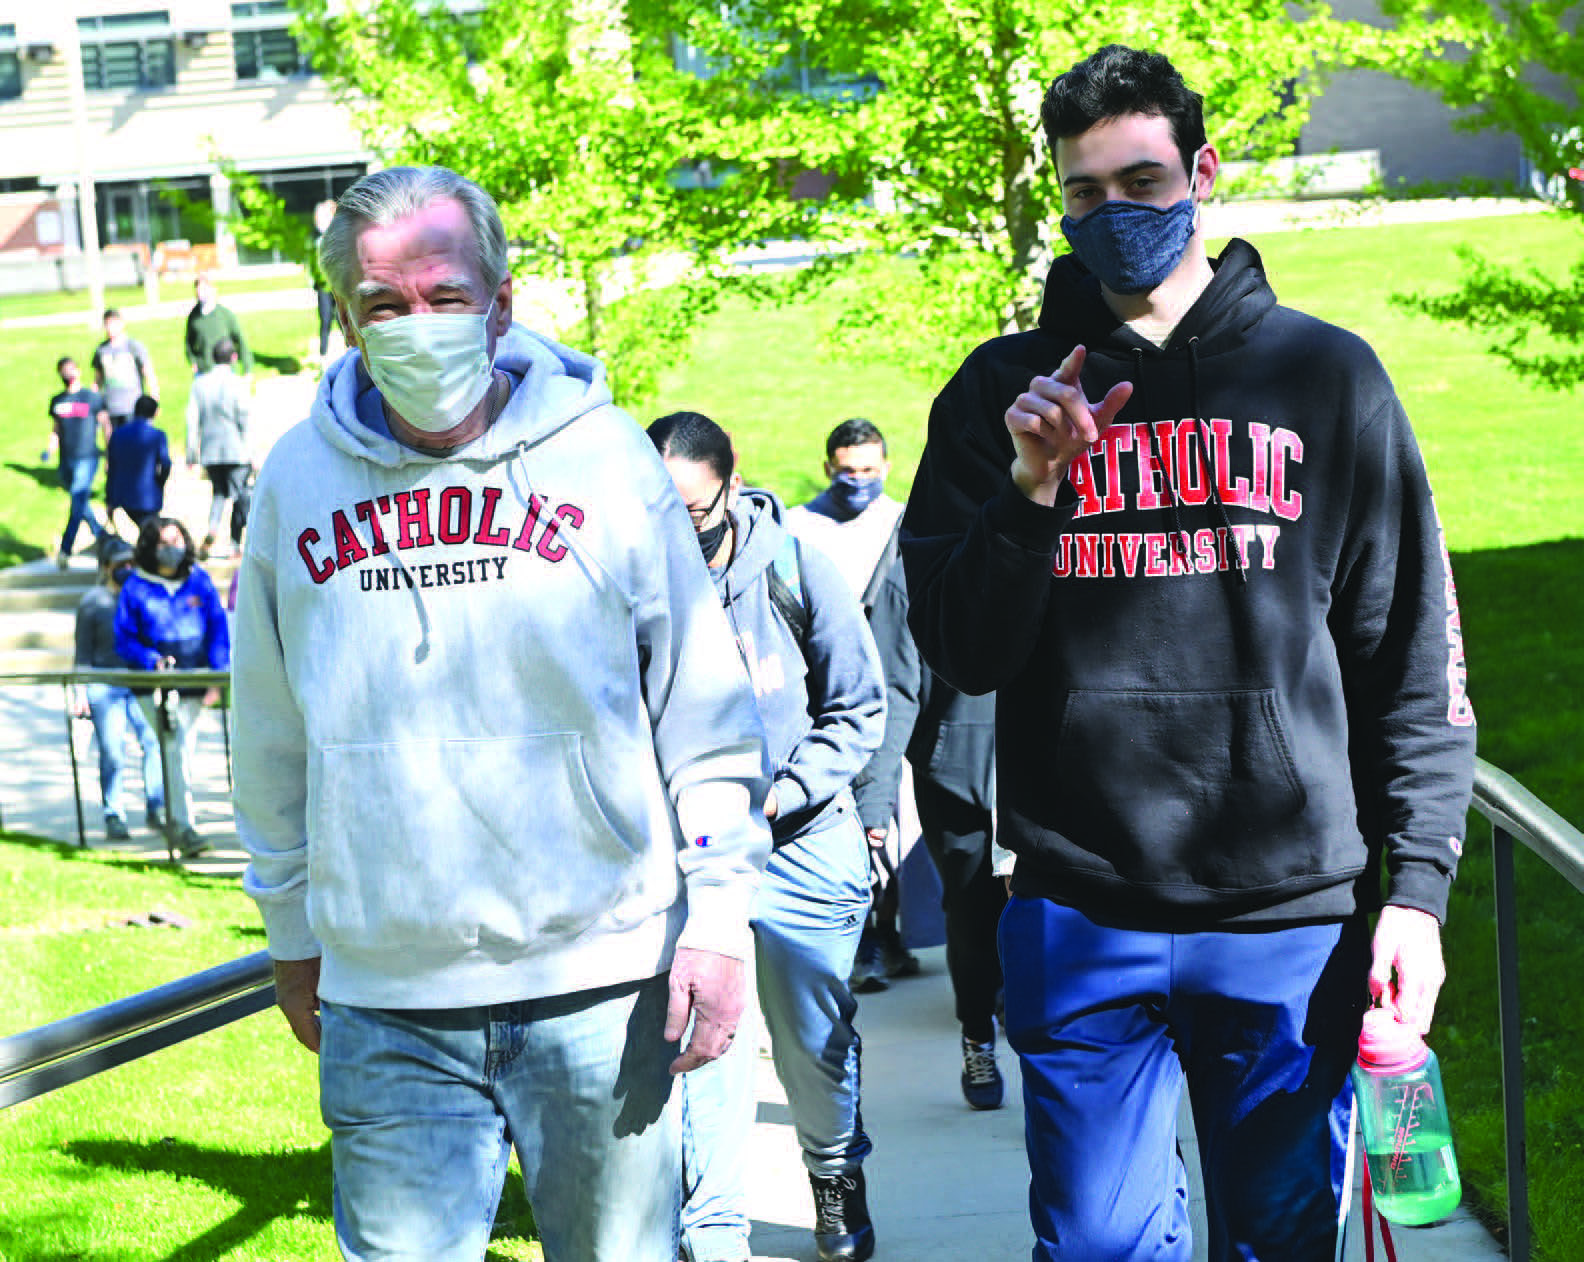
(1186, 788)
(447, 844)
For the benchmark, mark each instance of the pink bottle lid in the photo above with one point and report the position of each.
(1388, 1046)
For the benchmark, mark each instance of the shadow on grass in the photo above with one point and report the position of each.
(14, 550)
(286, 365)
(45, 475)
(267, 1186)
(69, 852)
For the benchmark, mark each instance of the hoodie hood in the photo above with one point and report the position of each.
(552, 385)
(1225, 314)
(757, 530)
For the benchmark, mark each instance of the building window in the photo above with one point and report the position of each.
(10, 64)
(127, 51)
(264, 46)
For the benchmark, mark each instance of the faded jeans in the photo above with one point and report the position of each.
(178, 748)
(77, 477)
(424, 1106)
(807, 920)
(114, 710)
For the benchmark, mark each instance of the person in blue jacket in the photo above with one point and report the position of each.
(139, 462)
(170, 617)
(821, 694)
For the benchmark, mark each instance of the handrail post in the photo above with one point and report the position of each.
(71, 748)
(1517, 1150)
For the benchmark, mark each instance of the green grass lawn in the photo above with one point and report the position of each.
(1505, 459)
(32, 504)
(209, 1149)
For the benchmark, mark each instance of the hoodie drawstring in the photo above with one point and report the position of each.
(1178, 540)
(1208, 462)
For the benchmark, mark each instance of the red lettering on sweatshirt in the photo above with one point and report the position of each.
(1286, 503)
(1191, 487)
(348, 549)
(573, 517)
(1231, 490)
(412, 520)
(311, 536)
(366, 514)
(456, 514)
(487, 533)
(1116, 439)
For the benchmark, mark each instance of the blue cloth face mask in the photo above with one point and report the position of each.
(851, 494)
(1131, 246)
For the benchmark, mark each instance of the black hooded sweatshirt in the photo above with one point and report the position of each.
(1228, 662)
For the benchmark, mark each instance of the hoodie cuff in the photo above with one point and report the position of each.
(1030, 526)
(1422, 886)
(286, 925)
(790, 795)
(718, 920)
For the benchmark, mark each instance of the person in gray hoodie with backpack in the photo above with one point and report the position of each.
(818, 684)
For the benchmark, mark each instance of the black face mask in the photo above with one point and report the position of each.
(711, 538)
(169, 556)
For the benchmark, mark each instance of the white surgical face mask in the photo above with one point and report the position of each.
(431, 369)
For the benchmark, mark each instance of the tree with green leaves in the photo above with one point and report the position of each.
(964, 187)
(1515, 66)
(592, 139)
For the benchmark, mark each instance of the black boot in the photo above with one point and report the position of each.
(842, 1231)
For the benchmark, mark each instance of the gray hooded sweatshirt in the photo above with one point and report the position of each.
(823, 701)
(493, 741)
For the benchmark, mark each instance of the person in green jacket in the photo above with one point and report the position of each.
(208, 324)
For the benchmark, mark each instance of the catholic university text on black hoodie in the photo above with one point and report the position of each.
(1228, 662)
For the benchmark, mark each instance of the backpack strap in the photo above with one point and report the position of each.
(787, 593)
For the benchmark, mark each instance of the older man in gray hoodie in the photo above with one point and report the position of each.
(498, 766)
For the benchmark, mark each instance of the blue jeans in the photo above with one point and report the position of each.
(77, 477)
(114, 710)
(807, 921)
(1108, 1023)
(179, 747)
(423, 1106)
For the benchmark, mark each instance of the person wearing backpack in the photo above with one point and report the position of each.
(817, 681)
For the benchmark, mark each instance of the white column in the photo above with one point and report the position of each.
(220, 197)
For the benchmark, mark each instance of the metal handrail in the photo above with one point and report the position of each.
(1518, 815)
(67, 1051)
(165, 683)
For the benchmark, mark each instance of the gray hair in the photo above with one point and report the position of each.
(384, 197)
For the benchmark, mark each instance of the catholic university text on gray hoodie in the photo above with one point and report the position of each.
(492, 739)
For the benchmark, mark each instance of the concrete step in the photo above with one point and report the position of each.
(45, 574)
(56, 596)
(26, 660)
(39, 629)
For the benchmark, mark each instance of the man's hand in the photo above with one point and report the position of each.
(711, 989)
(771, 806)
(877, 837)
(1053, 422)
(1407, 972)
(297, 995)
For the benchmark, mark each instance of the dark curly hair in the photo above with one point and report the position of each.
(148, 539)
(1119, 80)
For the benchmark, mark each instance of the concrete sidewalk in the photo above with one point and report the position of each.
(945, 1183)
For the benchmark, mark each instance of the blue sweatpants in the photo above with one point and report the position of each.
(1108, 1023)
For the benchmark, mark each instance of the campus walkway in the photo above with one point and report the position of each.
(946, 1184)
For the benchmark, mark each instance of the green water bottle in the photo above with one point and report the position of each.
(1407, 1133)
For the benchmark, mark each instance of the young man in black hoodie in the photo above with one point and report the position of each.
(1186, 536)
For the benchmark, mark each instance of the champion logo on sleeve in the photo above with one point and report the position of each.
(702, 842)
